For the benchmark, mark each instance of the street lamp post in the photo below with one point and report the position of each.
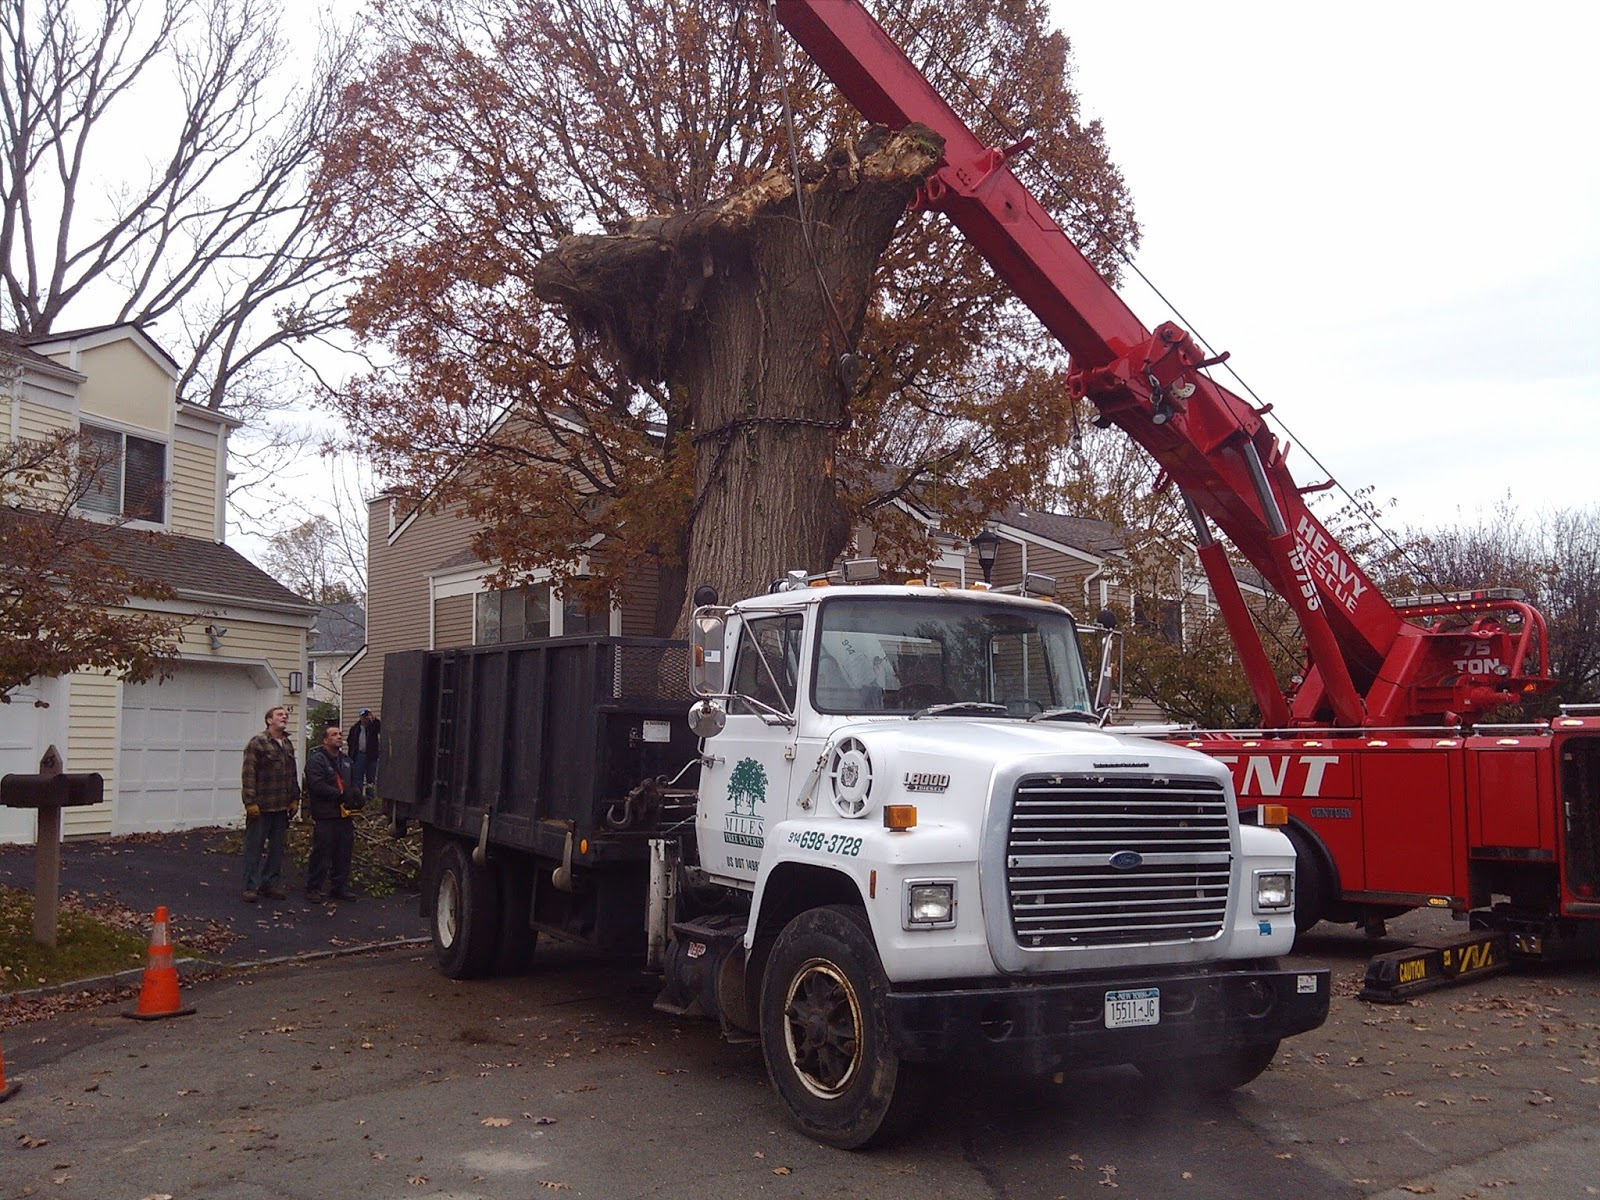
(987, 545)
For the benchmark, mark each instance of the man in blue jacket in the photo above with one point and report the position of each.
(334, 798)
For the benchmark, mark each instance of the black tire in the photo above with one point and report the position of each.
(824, 1033)
(515, 942)
(1210, 1074)
(466, 914)
(1313, 885)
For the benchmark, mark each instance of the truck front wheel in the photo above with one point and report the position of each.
(1210, 1074)
(466, 907)
(823, 1032)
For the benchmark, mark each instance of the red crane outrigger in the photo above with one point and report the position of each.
(1395, 801)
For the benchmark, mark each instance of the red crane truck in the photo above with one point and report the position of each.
(1399, 797)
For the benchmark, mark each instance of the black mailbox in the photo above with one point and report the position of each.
(52, 791)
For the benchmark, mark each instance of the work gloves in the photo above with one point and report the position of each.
(252, 811)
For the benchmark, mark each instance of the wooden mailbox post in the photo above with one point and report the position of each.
(51, 790)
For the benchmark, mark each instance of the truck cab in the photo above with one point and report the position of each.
(1016, 882)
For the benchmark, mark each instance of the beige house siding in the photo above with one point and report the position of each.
(36, 416)
(192, 507)
(38, 421)
(92, 731)
(124, 385)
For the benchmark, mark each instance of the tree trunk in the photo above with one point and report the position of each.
(749, 321)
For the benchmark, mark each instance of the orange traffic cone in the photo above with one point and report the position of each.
(5, 1092)
(158, 994)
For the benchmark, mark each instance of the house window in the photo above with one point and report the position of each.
(130, 475)
(1160, 618)
(576, 621)
(515, 615)
(311, 673)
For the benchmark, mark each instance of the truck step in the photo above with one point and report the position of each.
(1395, 977)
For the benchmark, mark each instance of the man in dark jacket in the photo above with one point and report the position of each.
(334, 798)
(363, 746)
(270, 789)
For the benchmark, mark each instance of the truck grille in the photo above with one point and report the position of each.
(1066, 829)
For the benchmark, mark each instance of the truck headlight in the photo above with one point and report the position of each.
(929, 904)
(1274, 891)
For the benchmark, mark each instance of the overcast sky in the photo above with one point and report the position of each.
(1389, 214)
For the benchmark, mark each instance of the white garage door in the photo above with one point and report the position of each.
(182, 745)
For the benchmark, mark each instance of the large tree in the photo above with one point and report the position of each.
(608, 310)
(154, 169)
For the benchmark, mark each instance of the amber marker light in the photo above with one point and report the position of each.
(583, 846)
(899, 817)
(1274, 814)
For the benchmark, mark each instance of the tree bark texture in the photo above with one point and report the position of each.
(749, 314)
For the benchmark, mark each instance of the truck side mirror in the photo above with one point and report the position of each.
(707, 718)
(1105, 692)
(707, 668)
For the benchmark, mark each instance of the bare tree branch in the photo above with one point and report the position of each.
(216, 233)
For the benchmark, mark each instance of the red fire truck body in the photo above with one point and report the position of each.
(1397, 797)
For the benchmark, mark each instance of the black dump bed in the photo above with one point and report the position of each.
(543, 736)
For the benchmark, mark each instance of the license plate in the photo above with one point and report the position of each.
(1129, 1009)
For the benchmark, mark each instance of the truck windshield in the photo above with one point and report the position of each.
(902, 656)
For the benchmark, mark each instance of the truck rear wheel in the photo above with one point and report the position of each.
(466, 906)
(824, 1035)
(1210, 1074)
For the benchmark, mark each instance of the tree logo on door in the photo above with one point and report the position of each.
(747, 787)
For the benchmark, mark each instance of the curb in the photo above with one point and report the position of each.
(195, 968)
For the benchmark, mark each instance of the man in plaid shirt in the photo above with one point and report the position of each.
(270, 788)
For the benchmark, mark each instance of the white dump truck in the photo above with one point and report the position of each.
(891, 834)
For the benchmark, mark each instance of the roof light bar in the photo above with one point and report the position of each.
(1476, 598)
